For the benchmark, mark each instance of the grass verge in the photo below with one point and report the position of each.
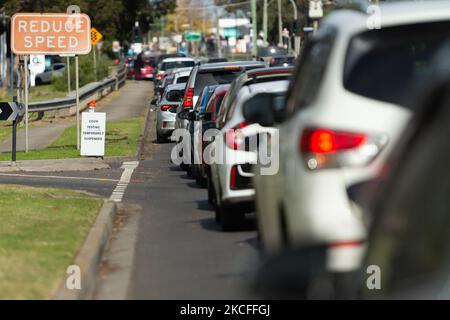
(40, 233)
(121, 140)
(38, 93)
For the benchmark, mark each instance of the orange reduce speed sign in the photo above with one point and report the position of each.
(50, 34)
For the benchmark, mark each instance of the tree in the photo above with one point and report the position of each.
(115, 19)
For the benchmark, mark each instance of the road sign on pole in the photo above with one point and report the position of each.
(193, 36)
(50, 33)
(64, 34)
(10, 111)
(96, 36)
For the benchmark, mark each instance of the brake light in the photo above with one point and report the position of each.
(159, 75)
(232, 68)
(165, 107)
(189, 98)
(327, 148)
(233, 177)
(328, 141)
(234, 137)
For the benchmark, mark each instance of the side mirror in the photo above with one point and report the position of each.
(207, 116)
(191, 116)
(183, 114)
(258, 109)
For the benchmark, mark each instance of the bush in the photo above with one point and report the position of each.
(86, 71)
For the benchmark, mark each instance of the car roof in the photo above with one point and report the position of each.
(390, 14)
(225, 65)
(183, 70)
(177, 59)
(269, 71)
(177, 86)
(222, 89)
(271, 86)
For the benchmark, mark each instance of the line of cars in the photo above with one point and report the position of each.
(306, 147)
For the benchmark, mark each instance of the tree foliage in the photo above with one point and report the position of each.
(115, 19)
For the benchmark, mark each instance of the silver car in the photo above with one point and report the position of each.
(167, 108)
(57, 70)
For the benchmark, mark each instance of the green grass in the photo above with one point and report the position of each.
(38, 93)
(40, 234)
(121, 140)
(5, 131)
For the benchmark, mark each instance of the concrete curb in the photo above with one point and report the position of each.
(89, 256)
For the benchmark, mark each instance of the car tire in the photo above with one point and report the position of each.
(215, 204)
(210, 190)
(201, 181)
(230, 218)
(159, 138)
(38, 81)
(189, 170)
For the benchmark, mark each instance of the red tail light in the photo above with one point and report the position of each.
(189, 99)
(159, 75)
(166, 107)
(234, 137)
(323, 141)
(326, 148)
(233, 177)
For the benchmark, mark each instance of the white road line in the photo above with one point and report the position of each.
(55, 177)
(121, 188)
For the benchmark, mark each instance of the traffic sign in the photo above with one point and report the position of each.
(50, 33)
(315, 9)
(96, 36)
(93, 127)
(9, 111)
(192, 36)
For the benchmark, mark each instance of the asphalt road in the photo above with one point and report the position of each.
(101, 182)
(180, 251)
(172, 249)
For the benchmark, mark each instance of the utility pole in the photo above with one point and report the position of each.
(218, 40)
(280, 25)
(254, 27)
(265, 21)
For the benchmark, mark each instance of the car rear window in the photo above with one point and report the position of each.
(177, 64)
(183, 79)
(384, 64)
(150, 63)
(204, 79)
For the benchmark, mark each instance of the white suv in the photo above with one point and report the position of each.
(342, 117)
(233, 194)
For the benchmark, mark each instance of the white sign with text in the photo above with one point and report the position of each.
(93, 127)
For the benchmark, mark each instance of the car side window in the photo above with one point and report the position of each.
(311, 70)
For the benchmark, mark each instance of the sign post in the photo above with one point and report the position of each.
(51, 34)
(12, 111)
(77, 94)
(69, 88)
(26, 101)
(96, 37)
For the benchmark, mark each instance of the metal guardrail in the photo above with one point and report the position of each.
(112, 83)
